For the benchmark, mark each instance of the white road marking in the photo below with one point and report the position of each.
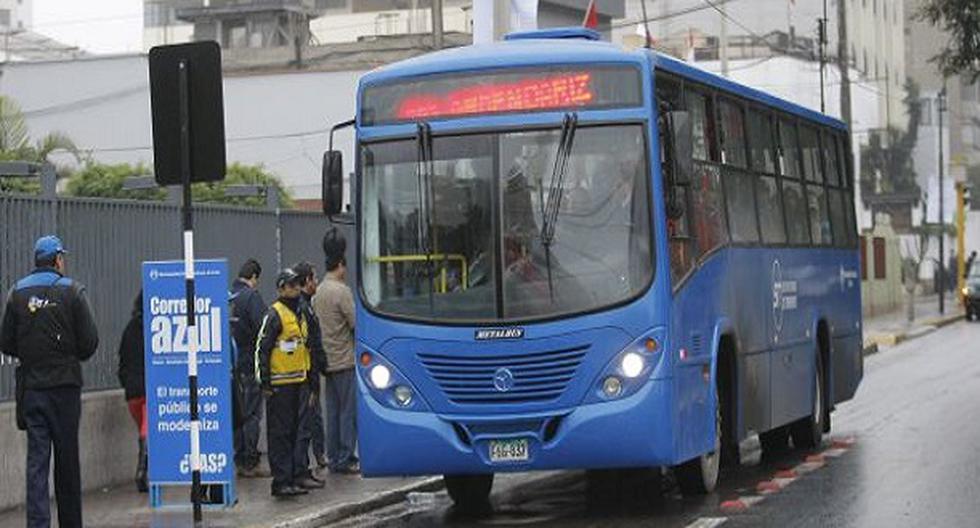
(708, 522)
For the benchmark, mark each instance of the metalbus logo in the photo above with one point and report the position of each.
(499, 333)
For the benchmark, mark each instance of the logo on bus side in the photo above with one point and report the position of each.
(487, 334)
(784, 297)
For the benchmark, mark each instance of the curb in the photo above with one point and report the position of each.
(350, 509)
(927, 326)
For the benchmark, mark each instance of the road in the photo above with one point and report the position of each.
(904, 452)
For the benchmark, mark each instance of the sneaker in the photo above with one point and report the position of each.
(310, 484)
(321, 461)
(314, 476)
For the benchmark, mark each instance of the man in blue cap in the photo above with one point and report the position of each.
(48, 326)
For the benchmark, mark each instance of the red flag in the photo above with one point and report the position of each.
(591, 20)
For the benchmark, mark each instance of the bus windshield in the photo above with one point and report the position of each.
(464, 238)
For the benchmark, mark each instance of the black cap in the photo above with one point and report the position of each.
(286, 276)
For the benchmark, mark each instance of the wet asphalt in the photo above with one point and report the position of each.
(914, 461)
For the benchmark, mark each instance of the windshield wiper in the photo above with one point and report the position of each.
(549, 213)
(424, 170)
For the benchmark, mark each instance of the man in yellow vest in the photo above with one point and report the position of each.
(284, 364)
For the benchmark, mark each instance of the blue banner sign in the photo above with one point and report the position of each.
(167, 394)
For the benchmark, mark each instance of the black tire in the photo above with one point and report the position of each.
(470, 493)
(699, 476)
(775, 441)
(808, 432)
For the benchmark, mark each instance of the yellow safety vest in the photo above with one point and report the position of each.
(289, 361)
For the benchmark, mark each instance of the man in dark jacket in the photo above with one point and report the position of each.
(311, 422)
(48, 326)
(132, 378)
(247, 310)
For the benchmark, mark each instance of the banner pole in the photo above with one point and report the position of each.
(192, 341)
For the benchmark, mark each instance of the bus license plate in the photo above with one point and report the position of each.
(508, 450)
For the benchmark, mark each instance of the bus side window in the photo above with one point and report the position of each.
(707, 201)
(739, 191)
(681, 245)
(769, 200)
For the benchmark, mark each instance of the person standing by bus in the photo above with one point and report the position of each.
(48, 326)
(334, 307)
(283, 364)
(131, 375)
(311, 420)
(247, 310)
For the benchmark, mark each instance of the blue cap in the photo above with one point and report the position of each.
(47, 247)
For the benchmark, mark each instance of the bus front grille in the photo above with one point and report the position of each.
(504, 379)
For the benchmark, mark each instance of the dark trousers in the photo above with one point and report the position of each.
(286, 410)
(341, 419)
(318, 442)
(52, 417)
(250, 418)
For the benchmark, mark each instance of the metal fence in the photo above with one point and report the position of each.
(109, 240)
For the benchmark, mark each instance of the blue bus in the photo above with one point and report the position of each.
(570, 255)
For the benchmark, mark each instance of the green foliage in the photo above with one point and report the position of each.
(98, 180)
(16, 145)
(106, 181)
(239, 174)
(959, 19)
(886, 162)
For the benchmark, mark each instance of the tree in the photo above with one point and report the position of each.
(16, 145)
(887, 166)
(100, 180)
(916, 248)
(960, 19)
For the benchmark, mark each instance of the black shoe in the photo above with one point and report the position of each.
(352, 469)
(310, 484)
(288, 491)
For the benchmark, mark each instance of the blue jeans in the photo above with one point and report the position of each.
(341, 419)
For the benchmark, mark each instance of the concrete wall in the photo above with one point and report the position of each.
(107, 445)
(882, 296)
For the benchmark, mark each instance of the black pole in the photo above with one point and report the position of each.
(188, 221)
(822, 35)
(942, 220)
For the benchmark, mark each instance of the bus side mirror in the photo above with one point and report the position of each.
(333, 182)
(682, 155)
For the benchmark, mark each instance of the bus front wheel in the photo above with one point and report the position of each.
(470, 493)
(699, 476)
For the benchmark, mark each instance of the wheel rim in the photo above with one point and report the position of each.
(710, 461)
(818, 402)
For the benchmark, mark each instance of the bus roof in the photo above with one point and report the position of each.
(559, 47)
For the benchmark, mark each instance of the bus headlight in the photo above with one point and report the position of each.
(380, 377)
(632, 364)
(386, 384)
(403, 395)
(630, 368)
(611, 387)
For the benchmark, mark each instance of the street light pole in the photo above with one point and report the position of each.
(941, 106)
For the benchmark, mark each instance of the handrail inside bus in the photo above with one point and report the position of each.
(443, 279)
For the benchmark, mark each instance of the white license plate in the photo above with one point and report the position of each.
(515, 450)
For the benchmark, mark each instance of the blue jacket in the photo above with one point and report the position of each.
(247, 311)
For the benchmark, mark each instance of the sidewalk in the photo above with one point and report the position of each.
(893, 328)
(344, 496)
